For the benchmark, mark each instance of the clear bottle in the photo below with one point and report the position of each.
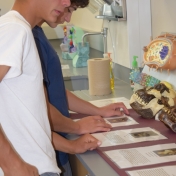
(111, 72)
(135, 69)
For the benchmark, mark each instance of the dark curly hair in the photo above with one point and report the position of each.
(80, 3)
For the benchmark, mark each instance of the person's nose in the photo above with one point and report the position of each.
(66, 3)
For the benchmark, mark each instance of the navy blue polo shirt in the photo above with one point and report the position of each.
(53, 79)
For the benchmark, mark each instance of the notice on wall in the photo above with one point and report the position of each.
(104, 102)
(142, 156)
(159, 171)
(128, 136)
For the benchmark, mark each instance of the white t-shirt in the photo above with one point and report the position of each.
(23, 112)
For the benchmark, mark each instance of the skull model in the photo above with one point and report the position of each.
(156, 100)
(168, 117)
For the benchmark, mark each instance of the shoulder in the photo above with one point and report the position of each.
(13, 21)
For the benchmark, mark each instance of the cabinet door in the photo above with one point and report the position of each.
(76, 166)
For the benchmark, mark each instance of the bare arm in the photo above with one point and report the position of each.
(11, 162)
(81, 106)
(3, 71)
(80, 145)
(61, 123)
(78, 105)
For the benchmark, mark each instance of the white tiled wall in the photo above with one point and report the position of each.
(163, 16)
(118, 41)
(163, 19)
(5, 6)
(53, 33)
(138, 27)
(127, 37)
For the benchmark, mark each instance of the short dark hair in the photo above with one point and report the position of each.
(80, 3)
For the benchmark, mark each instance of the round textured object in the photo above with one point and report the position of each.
(161, 52)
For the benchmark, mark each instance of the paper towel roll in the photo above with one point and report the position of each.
(99, 76)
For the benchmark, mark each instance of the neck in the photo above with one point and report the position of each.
(27, 9)
(40, 23)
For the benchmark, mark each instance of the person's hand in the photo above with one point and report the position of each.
(92, 124)
(21, 169)
(114, 109)
(84, 143)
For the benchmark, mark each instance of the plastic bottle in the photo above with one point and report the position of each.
(111, 72)
(135, 69)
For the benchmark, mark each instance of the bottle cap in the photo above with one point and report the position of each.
(134, 63)
(109, 56)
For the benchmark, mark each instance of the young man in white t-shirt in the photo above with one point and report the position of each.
(25, 134)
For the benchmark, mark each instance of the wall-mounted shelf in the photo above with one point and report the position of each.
(110, 18)
(114, 11)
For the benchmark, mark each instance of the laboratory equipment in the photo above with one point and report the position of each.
(104, 33)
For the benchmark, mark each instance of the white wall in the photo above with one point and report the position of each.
(5, 5)
(127, 38)
(118, 42)
(86, 20)
(163, 16)
(163, 19)
(53, 33)
(160, 13)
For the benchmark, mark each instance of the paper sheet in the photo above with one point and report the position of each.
(65, 67)
(120, 137)
(72, 112)
(159, 171)
(126, 158)
(120, 121)
(105, 102)
(117, 121)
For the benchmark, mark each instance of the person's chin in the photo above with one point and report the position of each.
(54, 26)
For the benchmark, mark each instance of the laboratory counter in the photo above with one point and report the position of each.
(71, 71)
(91, 163)
(76, 80)
(97, 163)
(91, 160)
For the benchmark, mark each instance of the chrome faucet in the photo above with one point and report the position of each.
(103, 32)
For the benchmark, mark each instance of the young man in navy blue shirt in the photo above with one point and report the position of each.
(61, 100)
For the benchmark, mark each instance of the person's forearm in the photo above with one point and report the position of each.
(61, 123)
(80, 145)
(8, 156)
(61, 143)
(3, 71)
(58, 122)
(81, 106)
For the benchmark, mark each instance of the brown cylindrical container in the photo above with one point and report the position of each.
(99, 76)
